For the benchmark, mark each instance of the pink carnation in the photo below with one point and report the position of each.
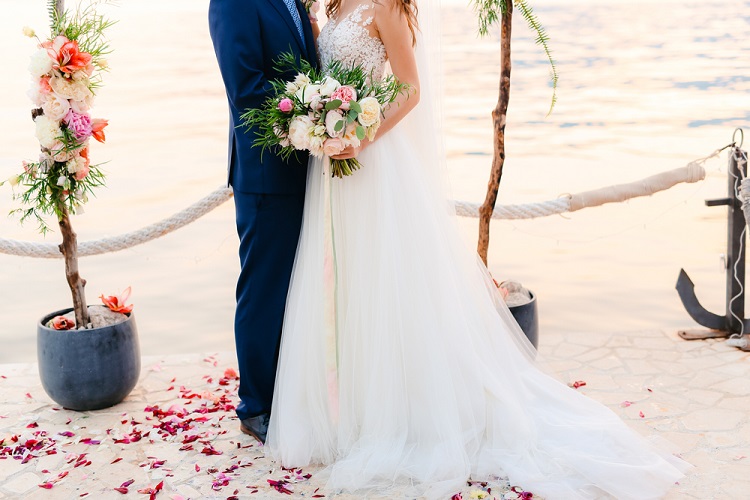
(80, 124)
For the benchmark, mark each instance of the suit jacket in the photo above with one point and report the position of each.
(248, 36)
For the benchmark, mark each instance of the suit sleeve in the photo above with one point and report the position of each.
(236, 35)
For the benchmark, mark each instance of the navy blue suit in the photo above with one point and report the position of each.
(248, 37)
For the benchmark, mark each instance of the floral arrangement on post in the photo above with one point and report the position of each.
(66, 73)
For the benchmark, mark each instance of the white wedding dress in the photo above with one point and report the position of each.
(400, 367)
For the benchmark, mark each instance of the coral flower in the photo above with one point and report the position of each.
(62, 323)
(67, 56)
(116, 303)
(97, 128)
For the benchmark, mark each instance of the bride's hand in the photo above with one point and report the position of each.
(351, 151)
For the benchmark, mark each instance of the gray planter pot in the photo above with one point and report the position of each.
(527, 317)
(88, 369)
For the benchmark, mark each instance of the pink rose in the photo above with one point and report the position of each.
(332, 118)
(286, 105)
(345, 93)
(80, 124)
(333, 146)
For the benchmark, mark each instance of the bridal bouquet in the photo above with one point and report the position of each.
(322, 111)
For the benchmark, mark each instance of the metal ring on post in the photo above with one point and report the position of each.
(742, 137)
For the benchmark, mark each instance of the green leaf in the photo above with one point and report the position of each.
(360, 132)
(350, 117)
(339, 125)
(354, 106)
(334, 104)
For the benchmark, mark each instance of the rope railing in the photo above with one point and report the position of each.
(692, 172)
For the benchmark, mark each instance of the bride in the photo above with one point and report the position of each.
(400, 365)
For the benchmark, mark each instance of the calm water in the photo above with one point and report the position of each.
(644, 87)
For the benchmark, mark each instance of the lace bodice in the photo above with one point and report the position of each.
(348, 40)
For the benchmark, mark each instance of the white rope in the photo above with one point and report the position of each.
(693, 172)
(123, 241)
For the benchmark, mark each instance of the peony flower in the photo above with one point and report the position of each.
(345, 93)
(77, 90)
(62, 323)
(55, 107)
(83, 106)
(28, 32)
(370, 114)
(350, 136)
(40, 63)
(333, 146)
(286, 105)
(300, 130)
(329, 86)
(116, 303)
(47, 131)
(97, 128)
(79, 124)
(67, 56)
(333, 118)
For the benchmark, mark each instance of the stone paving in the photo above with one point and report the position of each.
(696, 395)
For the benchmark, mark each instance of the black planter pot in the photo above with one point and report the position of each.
(88, 369)
(527, 317)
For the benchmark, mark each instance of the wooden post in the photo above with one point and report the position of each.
(499, 120)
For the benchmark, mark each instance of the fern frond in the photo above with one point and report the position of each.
(542, 39)
(490, 12)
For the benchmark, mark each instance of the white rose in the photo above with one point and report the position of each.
(332, 118)
(55, 107)
(316, 145)
(47, 131)
(300, 130)
(350, 136)
(40, 63)
(329, 86)
(77, 90)
(370, 114)
(307, 92)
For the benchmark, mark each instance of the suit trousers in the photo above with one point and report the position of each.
(269, 227)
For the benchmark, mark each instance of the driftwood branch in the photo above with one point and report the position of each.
(69, 249)
(499, 120)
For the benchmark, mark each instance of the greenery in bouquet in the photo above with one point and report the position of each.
(322, 111)
(66, 72)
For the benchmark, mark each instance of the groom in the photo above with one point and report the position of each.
(248, 36)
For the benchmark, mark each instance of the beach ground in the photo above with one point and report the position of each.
(177, 430)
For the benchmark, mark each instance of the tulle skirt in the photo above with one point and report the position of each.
(400, 366)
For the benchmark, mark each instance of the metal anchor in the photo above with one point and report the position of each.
(733, 321)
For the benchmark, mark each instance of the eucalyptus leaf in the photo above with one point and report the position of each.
(354, 106)
(339, 125)
(360, 132)
(334, 104)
